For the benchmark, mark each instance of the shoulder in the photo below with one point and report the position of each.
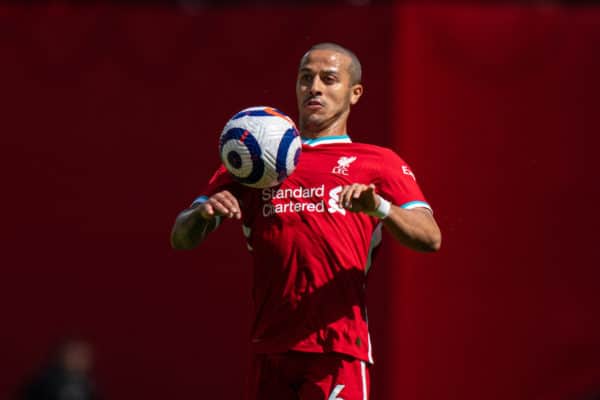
(383, 153)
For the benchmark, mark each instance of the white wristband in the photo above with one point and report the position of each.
(383, 210)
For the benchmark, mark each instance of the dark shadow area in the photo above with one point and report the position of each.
(66, 374)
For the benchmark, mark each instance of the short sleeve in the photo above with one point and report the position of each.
(221, 180)
(398, 184)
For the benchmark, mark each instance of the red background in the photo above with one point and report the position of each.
(110, 116)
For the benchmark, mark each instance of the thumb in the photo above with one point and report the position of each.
(373, 196)
(206, 211)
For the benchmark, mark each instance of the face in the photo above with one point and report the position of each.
(324, 92)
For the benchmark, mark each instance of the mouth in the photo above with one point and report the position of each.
(313, 104)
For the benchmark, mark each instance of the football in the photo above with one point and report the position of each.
(260, 146)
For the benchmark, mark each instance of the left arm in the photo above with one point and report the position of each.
(415, 228)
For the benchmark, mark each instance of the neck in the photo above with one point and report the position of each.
(336, 128)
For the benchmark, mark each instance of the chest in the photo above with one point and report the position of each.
(312, 191)
(333, 168)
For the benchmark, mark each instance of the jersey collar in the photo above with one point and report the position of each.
(326, 140)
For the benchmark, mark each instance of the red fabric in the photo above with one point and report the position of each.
(309, 254)
(305, 376)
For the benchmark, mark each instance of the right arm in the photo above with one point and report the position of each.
(192, 225)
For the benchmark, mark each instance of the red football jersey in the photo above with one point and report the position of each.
(310, 256)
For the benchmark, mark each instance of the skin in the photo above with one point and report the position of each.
(325, 94)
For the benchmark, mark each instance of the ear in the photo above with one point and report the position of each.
(355, 92)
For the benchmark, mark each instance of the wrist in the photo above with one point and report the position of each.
(198, 201)
(383, 209)
(199, 210)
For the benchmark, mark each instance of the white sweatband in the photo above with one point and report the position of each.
(383, 210)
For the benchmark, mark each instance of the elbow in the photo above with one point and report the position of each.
(181, 246)
(433, 241)
(432, 244)
(178, 244)
(175, 245)
(435, 245)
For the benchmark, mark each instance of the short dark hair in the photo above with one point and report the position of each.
(354, 68)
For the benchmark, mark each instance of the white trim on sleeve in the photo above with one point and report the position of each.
(416, 204)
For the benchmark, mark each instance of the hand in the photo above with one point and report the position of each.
(220, 204)
(359, 198)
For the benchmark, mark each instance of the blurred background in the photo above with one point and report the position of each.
(110, 114)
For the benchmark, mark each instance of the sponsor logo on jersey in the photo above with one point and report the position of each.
(333, 203)
(300, 199)
(270, 209)
(343, 165)
(407, 171)
(293, 193)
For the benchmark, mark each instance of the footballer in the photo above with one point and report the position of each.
(312, 240)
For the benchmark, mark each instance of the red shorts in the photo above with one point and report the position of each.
(308, 376)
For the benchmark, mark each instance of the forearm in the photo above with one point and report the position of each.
(192, 225)
(190, 229)
(415, 228)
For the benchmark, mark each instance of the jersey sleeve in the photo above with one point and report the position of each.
(398, 184)
(221, 180)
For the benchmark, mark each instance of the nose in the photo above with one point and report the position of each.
(316, 87)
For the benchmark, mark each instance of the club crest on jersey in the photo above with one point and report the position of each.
(343, 165)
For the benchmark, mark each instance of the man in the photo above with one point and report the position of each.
(310, 335)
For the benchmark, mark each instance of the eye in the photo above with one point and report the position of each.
(330, 79)
(305, 78)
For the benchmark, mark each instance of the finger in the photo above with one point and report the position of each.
(226, 195)
(234, 206)
(234, 203)
(368, 198)
(342, 196)
(220, 208)
(237, 210)
(354, 197)
(358, 190)
(347, 198)
(229, 203)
